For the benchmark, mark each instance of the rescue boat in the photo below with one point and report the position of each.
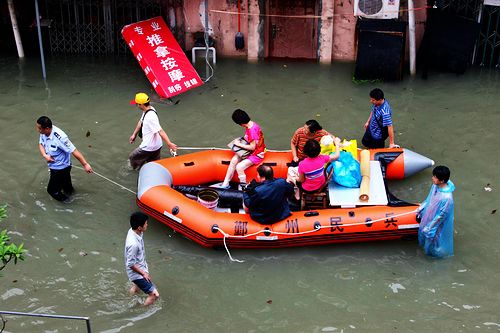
(157, 197)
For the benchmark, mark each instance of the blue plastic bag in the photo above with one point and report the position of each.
(346, 171)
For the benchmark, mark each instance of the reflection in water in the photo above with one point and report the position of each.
(75, 263)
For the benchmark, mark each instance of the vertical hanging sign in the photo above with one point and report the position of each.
(160, 56)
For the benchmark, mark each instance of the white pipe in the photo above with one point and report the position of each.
(17, 36)
(42, 58)
(411, 31)
(479, 16)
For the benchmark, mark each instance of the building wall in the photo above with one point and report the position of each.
(344, 28)
(326, 25)
(337, 29)
(223, 24)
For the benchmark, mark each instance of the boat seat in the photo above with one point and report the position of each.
(319, 198)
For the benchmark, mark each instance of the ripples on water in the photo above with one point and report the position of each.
(75, 263)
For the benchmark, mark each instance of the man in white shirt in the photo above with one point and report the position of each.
(149, 129)
(135, 259)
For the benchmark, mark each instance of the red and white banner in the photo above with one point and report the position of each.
(160, 56)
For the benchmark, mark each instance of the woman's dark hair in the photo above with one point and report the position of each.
(312, 148)
(240, 117)
(44, 122)
(313, 125)
(442, 173)
(377, 94)
(137, 220)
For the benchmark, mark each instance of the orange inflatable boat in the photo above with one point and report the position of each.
(211, 228)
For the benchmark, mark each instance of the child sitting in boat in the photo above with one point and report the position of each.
(255, 139)
(312, 168)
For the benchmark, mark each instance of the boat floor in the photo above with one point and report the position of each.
(349, 197)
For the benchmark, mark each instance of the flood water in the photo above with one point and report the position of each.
(75, 261)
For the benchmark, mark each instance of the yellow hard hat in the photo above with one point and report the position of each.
(140, 98)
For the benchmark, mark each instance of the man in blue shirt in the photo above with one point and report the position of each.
(379, 124)
(57, 149)
(267, 201)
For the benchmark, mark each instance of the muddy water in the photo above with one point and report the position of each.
(75, 261)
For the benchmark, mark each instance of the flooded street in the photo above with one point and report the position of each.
(75, 260)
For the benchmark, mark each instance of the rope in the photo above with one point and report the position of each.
(200, 148)
(312, 16)
(2, 319)
(109, 180)
(227, 249)
(226, 235)
(218, 148)
(265, 15)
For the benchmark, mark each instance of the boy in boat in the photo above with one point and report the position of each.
(267, 199)
(56, 149)
(135, 259)
(435, 233)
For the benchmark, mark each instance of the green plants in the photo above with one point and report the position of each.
(8, 250)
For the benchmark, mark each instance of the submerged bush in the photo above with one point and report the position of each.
(8, 251)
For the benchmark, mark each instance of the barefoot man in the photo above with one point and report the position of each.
(135, 259)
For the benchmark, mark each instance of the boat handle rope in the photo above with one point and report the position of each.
(226, 235)
(172, 152)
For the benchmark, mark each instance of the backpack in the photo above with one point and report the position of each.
(385, 130)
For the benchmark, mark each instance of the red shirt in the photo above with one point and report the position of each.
(300, 138)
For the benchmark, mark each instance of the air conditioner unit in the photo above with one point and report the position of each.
(379, 9)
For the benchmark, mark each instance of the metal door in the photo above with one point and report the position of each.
(291, 34)
(94, 26)
(487, 50)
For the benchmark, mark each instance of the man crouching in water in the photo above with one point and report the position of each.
(267, 199)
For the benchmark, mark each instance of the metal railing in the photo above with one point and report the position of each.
(487, 49)
(13, 313)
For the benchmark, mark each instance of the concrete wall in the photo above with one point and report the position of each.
(337, 28)
(344, 28)
(326, 24)
(255, 44)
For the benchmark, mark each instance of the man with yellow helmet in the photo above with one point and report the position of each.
(149, 129)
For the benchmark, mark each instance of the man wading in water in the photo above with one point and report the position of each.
(135, 259)
(56, 149)
(149, 129)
